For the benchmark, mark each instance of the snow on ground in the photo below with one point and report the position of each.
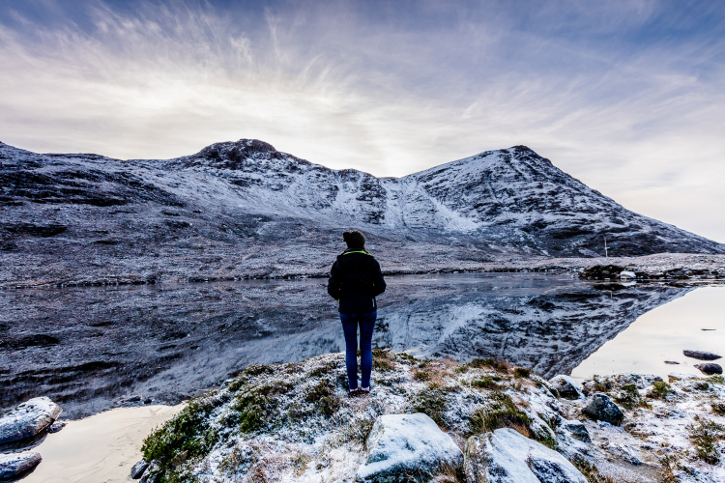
(293, 422)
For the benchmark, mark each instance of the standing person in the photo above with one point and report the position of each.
(355, 281)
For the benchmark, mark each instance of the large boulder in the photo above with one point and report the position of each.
(406, 447)
(602, 408)
(506, 456)
(568, 388)
(28, 419)
(14, 465)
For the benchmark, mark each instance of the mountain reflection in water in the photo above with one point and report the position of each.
(86, 348)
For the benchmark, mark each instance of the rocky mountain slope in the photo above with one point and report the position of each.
(68, 218)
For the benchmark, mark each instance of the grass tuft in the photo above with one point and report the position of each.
(189, 434)
(501, 412)
(522, 372)
(486, 382)
(704, 433)
(660, 390)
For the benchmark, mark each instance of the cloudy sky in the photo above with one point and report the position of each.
(627, 96)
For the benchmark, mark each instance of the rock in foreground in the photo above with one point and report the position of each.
(602, 408)
(14, 465)
(506, 456)
(405, 447)
(28, 419)
(566, 386)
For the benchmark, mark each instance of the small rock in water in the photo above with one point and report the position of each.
(709, 368)
(55, 427)
(506, 456)
(702, 355)
(28, 419)
(671, 362)
(404, 447)
(602, 408)
(14, 465)
(138, 469)
(568, 388)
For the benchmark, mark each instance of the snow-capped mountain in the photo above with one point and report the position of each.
(245, 208)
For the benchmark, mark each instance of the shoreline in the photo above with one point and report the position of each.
(667, 267)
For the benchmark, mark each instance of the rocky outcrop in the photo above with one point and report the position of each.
(602, 408)
(506, 456)
(138, 469)
(15, 465)
(408, 447)
(28, 419)
(566, 386)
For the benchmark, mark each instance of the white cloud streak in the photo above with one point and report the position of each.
(389, 94)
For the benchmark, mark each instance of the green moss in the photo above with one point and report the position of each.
(521, 372)
(660, 390)
(255, 408)
(322, 395)
(421, 376)
(432, 402)
(602, 385)
(701, 386)
(718, 408)
(704, 433)
(189, 433)
(486, 382)
(501, 412)
(716, 380)
(629, 398)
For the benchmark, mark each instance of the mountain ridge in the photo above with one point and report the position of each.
(255, 208)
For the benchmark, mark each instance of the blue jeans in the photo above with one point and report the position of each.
(349, 327)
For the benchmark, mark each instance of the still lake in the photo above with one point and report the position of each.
(94, 349)
(91, 348)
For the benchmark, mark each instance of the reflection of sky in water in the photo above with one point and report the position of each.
(661, 335)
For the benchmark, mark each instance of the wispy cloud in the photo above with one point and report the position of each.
(628, 96)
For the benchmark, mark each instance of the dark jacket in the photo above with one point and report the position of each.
(355, 280)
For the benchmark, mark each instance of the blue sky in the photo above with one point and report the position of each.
(627, 96)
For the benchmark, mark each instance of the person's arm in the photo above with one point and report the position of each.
(379, 284)
(335, 283)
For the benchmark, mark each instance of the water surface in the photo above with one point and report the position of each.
(89, 349)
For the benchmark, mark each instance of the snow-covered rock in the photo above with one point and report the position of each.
(138, 469)
(567, 386)
(28, 419)
(602, 408)
(505, 456)
(405, 446)
(14, 465)
(577, 430)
